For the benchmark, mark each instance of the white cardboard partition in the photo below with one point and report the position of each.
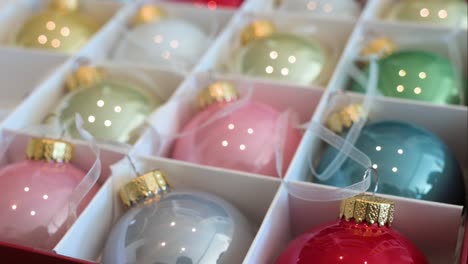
(279, 216)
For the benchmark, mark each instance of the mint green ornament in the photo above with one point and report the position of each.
(416, 75)
(440, 12)
(283, 57)
(112, 111)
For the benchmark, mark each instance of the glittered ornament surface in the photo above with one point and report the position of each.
(411, 162)
(112, 111)
(352, 243)
(214, 4)
(56, 30)
(245, 139)
(168, 41)
(450, 13)
(34, 200)
(283, 57)
(183, 227)
(416, 75)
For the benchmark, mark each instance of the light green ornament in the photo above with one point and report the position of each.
(280, 56)
(450, 13)
(417, 75)
(112, 111)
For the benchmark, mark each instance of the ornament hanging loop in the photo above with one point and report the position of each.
(368, 173)
(132, 164)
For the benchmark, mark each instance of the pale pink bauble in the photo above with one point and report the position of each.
(33, 200)
(243, 140)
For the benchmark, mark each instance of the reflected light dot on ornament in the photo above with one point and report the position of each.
(174, 44)
(117, 109)
(292, 59)
(42, 39)
(212, 5)
(417, 90)
(400, 88)
(194, 230)
(284, 71)
(250, 131)
(225, 143)
(173, 223)
(163, 244)
(50, 25)
(13, 207)
(91, 119)
(394, 169)
(26, 189)
(158, 39)
(65, 31)
(424, 12)
(378, 148)
(375, 166)
(242, 147)
(273, 55)
(32, 213)
(166, 55)
(45, 197)
(341, 257)
(100, 103)
(231, 126)
(312, 5)
(327, 8)
(402, 73)
(422, 75)
(443, 13)
(400, 151)
(269, 69)
(55, 43)
(108, 123)
(182, 249)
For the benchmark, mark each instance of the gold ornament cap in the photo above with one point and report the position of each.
(256, 30)
(379, 46)
(49, 150)
(148, 13)
(341, 120)
(84, 77)
(220, 91)
(144, 189)
(369, 208)
(64, 5)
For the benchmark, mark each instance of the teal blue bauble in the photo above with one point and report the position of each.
(411, 162)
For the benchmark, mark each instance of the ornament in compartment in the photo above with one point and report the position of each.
(437, 12)
(243, 137)
(213, 4)
(412, 161)
(362, 235)
(165, 226)
(59, 27)
(271, 54)
(36, 194)
(336, 8)
(156, 38)
(113, 110)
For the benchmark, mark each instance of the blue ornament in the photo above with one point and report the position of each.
(411, 161)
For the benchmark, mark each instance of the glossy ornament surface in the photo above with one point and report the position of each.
(284, 57)
(179, 227)
(112, 111)
(322, 7)
(245, 139)
(439, 12)
(59, 29)
(34, 201)
(363, 235)
(214, 4)
(416, 75)
(167, 41)
(411, 161)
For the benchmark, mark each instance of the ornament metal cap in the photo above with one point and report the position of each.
(256, 30)
(220, 91)
(49, 150)
(369, 208)
(379, 46)
(84, 76)
(64, 5)
(148, 13)
(341, 120)
(145, 188)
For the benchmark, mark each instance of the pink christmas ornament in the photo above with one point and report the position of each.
(245, 139)
(35, 195)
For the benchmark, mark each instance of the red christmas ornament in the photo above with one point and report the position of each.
(364, 236)
(213, 4)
